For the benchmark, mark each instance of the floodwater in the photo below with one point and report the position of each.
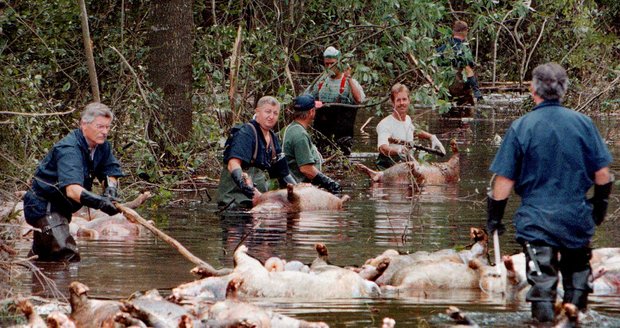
(374, 220)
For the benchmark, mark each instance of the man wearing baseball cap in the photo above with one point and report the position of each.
(304, 160)
(337, 86)
(341, 94)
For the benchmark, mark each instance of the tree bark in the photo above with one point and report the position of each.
(171, 42)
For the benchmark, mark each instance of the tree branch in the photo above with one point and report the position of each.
(36, 114)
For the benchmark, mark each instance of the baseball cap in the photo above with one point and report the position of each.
(305, 102)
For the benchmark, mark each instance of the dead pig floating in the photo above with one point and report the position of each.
(152, 310)
(298, 198)
(414, 173)
(322, 282)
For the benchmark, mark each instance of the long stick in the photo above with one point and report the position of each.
(90, 59)
(133, 216)
(496, 251)
(414, 146)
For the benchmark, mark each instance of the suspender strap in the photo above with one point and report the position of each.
(343, 82)
(255, 143)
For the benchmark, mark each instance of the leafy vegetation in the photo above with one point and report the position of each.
(386, 41)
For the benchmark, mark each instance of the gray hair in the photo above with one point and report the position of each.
(267, 100)
(94, 110)
(550, 81)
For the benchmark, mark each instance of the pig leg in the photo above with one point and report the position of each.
(322, 256)
(375, 176)
(569, 316)
(371, 273)
(127, 320)
(293, 198)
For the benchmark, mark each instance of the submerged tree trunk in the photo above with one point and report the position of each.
(170, 42)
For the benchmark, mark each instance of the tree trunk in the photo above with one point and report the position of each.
(171, 42)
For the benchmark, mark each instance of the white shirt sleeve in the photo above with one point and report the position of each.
(383, 133)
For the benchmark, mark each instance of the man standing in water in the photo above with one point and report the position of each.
(399, 126)
(304, 160)
(253, 149)
(341, 93)
(458, 55)
(551, 157)
(63, 181)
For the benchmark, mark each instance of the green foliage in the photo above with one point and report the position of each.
(42, 67)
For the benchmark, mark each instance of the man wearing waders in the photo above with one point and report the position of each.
(252, 148)
(341, 94)
(63, 181)
(551, 157)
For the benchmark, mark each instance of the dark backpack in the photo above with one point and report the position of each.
(231, 134)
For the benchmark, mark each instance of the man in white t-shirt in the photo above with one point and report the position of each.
(399, 126)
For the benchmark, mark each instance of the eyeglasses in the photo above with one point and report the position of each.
(102, 127)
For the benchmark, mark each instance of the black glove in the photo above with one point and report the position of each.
(323, 181)
(237, 176)
(495, 213)
(285, 181)
(102, 203)
(473, 84)
(600, 201)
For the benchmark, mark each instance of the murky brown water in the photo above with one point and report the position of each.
(375, 219)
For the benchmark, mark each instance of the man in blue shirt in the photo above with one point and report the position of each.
(551, 157)
(253, 149)
(63, 180)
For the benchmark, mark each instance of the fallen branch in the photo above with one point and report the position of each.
(139, 200)
(427, 77)
(609, 86)
(364, 125)
(36, 114)
(133, 216)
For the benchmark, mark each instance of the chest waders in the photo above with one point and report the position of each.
(229, 195)
(54, 241)
(335, 123)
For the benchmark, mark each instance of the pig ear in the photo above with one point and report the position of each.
(78, 288)
(321, 249)
(233, 287)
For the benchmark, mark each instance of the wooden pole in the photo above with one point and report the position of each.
(88, 48)
(134, 217)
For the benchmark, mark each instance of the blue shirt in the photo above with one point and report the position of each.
(242, 147)
(68, 162)
(456, 54)
(552, 154)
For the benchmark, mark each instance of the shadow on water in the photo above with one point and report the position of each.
(375, 219)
